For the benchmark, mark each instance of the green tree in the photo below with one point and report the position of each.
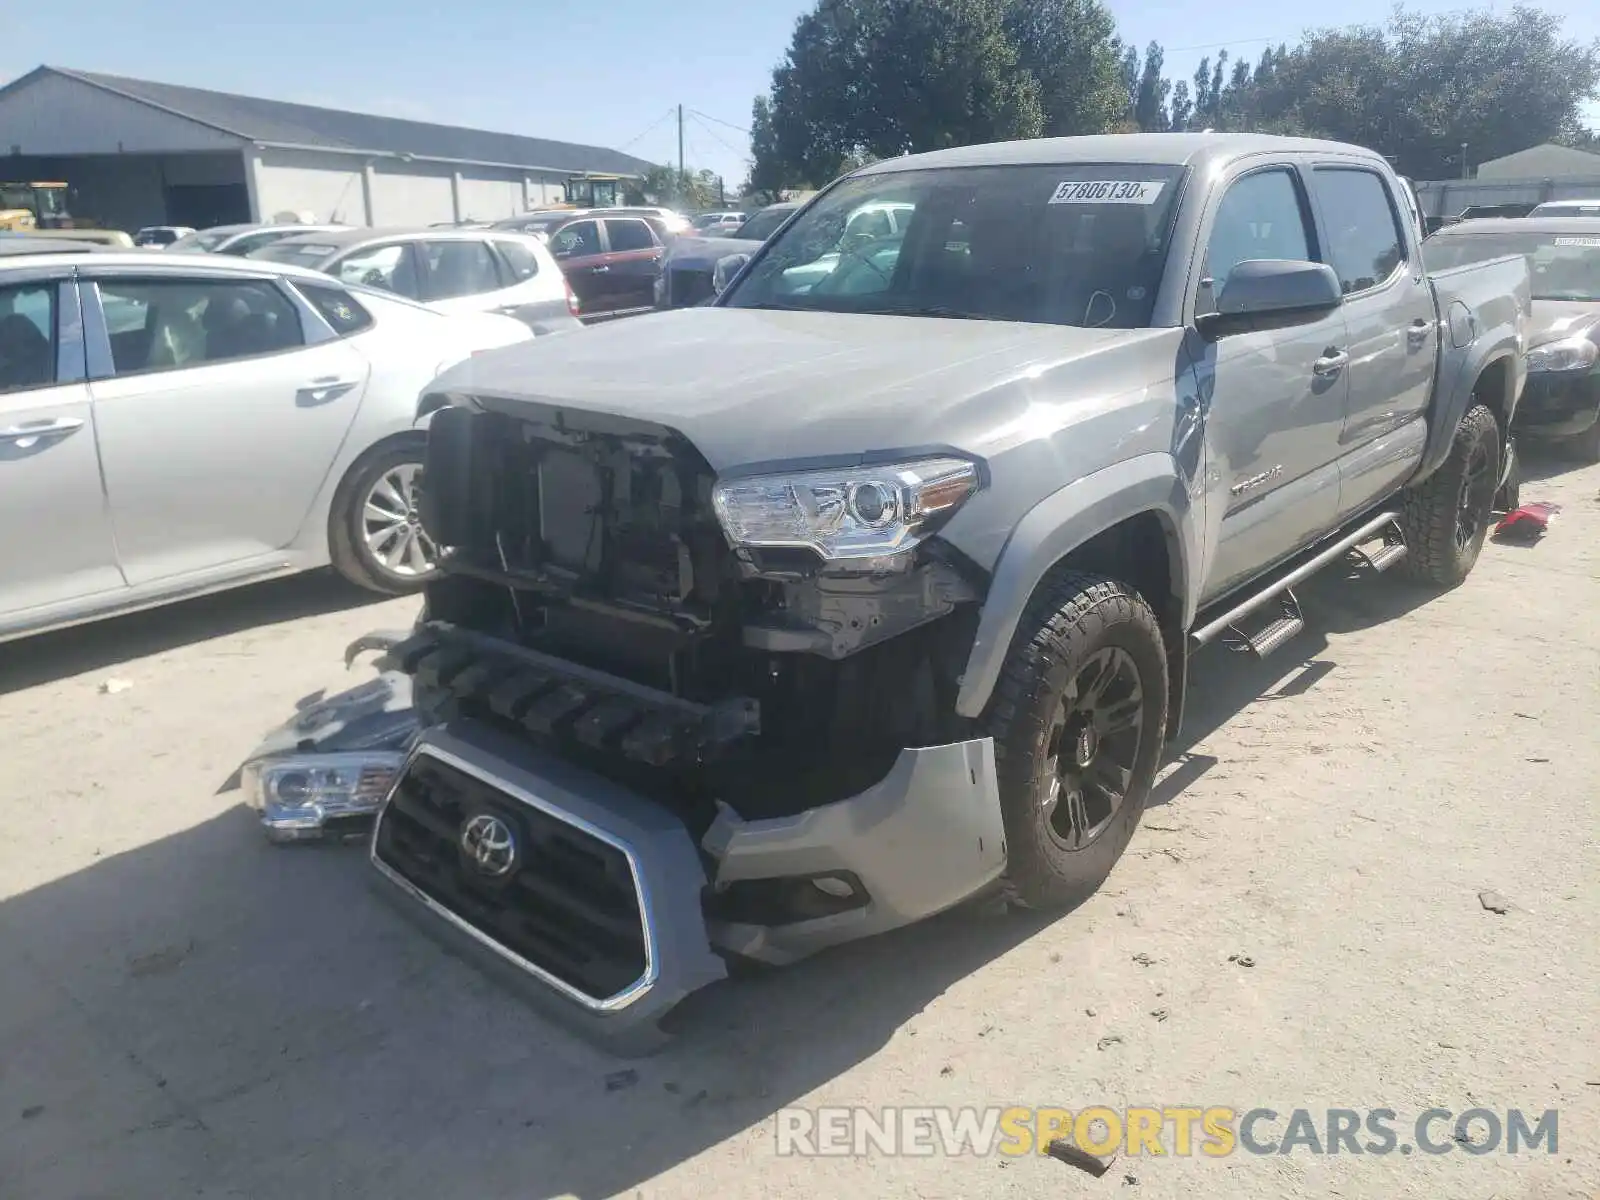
(687, 190)
(1181, 107)
(1150, 105)
(877, 78)
(1070, 47)
(1420, 86)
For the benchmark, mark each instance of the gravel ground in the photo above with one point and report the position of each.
(185, 1010)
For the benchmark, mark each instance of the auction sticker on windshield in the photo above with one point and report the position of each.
(1108, 191)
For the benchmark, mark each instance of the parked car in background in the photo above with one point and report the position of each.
(1568, 208)
(688, 266)
(160, 235)
(715, 224)
(452, 270)
(1562, 397)
(111, 238)
(1484, 212)
(240, 240)
(14, 245)
(610, 262)
(204, 424)
(665, 223)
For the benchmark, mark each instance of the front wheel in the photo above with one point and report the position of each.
(1445, 518)
(375, 533)
(1077, 721)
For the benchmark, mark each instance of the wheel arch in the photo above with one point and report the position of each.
(1494, 379)
(1132, 521)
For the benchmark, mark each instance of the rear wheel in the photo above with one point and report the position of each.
(375, 534)
(1077, 722)
(1446, 517)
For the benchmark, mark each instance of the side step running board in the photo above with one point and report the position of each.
(1290, 621)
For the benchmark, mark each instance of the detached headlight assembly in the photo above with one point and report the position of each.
(297, 794)
(1569, 354)
(858, 512)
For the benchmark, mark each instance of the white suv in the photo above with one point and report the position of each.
(451, 270)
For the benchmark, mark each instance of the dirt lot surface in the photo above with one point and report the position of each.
(186, 1011)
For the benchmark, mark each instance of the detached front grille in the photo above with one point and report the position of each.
(688, 286)
(558, 899)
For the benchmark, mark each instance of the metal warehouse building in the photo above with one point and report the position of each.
(142, 153)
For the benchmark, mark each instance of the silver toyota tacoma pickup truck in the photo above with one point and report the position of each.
(870, 588)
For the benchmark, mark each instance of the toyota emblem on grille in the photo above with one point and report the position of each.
(489, 845)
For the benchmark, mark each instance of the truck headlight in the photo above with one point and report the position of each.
(297, 794)
(858, 512)
(1569, 354)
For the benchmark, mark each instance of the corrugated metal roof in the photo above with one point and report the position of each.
(281, 123)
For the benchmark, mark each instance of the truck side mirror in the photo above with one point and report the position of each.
(1272, 291)
(722, 274)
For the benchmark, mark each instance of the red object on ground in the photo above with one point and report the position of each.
(1526, 523)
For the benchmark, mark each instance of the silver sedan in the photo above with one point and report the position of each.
(175, 425)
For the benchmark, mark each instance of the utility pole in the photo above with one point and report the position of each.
(680, 154)
(1463, 160)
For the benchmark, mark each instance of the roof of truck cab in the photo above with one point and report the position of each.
(1163, 149)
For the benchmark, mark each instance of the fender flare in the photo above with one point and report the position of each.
(1455, 398)
(1059, 524)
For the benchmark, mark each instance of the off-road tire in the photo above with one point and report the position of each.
(347, 545)
(1072, 617)
(1431, 510)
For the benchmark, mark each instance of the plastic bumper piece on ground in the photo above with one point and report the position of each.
(667, 880)
(925, 838)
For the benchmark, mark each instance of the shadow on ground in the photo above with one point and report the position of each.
(31, 661)
(208, 1015)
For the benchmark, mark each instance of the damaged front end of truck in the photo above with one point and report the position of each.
(672, 714)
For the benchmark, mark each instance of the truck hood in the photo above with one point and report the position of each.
(1553, 320)
(754, 386)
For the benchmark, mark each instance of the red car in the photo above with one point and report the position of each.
(611, 262)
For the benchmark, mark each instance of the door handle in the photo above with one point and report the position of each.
(600, 270)
(1331, 363)
(324, 388)
(1418, 331)
(25, 436)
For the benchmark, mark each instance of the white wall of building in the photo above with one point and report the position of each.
(489, 195)
(329, 186)
(411, 193)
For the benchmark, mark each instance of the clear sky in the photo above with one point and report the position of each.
(609, 73)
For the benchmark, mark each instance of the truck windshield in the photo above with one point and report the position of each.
(1564, 266)
(1077, 244)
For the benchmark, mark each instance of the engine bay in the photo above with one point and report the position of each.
(582, 552)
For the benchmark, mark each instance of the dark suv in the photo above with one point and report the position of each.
(689, 263)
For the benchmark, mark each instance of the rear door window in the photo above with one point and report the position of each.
(578, 240)
(27, 336)
(170, 324)
(629, 235)
(459, 267)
